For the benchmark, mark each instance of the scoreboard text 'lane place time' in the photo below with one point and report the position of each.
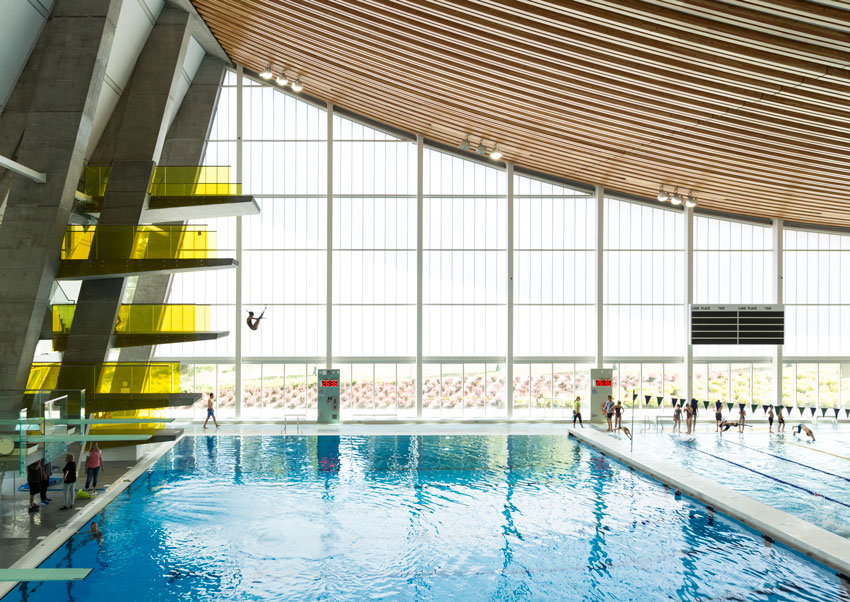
(737, 324)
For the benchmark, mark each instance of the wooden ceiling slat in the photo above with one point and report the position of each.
(753, 102)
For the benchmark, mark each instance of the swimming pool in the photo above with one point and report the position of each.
(417, 517)
(810, 480)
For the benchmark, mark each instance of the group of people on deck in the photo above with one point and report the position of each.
(39, 472)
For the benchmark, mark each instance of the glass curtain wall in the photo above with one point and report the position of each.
(464, 232)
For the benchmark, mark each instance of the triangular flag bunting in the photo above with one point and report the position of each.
(813, 411)
(659, 399)
(648, 398)
(836, 412)
(789, 408)
(777, 408)
(634, 396)
(730, 406)
(705, 403)
(823, 412)
(847, 412)
(741, 406)
(675, 400)
(802, 409)
(753, 407)
(764, 408)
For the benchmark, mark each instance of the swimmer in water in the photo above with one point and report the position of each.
(802, 427)
(94, 531)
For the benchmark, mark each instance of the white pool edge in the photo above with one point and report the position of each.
(43, 549)
(813, 541)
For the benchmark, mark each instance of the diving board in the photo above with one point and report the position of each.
(43, 574)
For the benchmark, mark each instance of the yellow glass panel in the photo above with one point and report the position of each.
(191, 180)
(136, 428)
(125, 378)
(138, 242)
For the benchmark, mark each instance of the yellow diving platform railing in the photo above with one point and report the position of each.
(125, 378)
(191, 180)
(137, 318)
(137, 242)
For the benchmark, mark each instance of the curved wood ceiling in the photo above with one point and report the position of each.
(746, 102)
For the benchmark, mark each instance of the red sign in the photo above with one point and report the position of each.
(330, 383)
(602, 383)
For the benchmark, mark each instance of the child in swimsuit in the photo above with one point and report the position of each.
(677, 419)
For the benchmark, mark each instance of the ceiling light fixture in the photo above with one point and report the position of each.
(282, 80)
(676, 198)
(465, 145)
(481, 149)
(663, 195)
(690, 200)
(296, 85)
(267, 72)
(495, 154)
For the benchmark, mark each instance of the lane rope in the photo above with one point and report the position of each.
(809, 491)
(818, 450)
(832, 474)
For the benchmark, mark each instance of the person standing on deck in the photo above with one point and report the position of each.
(718, 415)
(93, 465)
(608, 410)
(211, 411)
(577, 412)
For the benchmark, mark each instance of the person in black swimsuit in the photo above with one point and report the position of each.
(718, 415)
(254, 323)
(781, 427)
(770, 419)
(802, 427)
(618, 415)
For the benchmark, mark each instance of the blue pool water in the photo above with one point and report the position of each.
(808, 479)
(417, 518)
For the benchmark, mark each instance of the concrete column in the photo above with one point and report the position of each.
(66, 75)
(185, 144)
(134, 138)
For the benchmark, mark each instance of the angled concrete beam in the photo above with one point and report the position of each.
(22, 170)
(47, 129)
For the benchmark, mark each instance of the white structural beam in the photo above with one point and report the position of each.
(779, 298)
(23, 170)
(420, 158)
(600, 234)
(237, 325)
(688, 216)
(510, 309)
(330, 230)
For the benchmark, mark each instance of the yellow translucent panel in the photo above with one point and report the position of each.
(136, 427)
(138, 242)
(137, 318)
(192, 180)
(125, 378)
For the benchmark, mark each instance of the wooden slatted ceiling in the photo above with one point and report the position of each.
(746, 102)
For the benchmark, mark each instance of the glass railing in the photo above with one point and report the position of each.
(138, 242)
(137, 318)
(125, 378)
(132, 427)
(35, 420)
(206, 180)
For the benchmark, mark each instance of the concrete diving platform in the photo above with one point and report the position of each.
(184, 208)
(121, 340)
(85, 269)
(121, 402)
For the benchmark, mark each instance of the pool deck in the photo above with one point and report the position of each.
(28, 539)
(813, 541)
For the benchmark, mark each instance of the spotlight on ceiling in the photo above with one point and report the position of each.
(495, 154)
(282, 80)
(690, 201)
(296, 85)
(464, 146)
(267, 72)
(663, 195)
(676, 198)
(481, 149)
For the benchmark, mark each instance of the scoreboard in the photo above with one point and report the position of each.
(328, 396)
(737, 325)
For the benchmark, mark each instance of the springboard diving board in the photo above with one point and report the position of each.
(44, 574)
(83, 438)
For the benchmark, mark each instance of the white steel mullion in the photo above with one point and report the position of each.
(237, 319)
(778, 297)
(420, 150)
(689, 299)
(509, 352)
(329, 243)
(600, 215)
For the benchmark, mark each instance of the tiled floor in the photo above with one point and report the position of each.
(20, 530)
